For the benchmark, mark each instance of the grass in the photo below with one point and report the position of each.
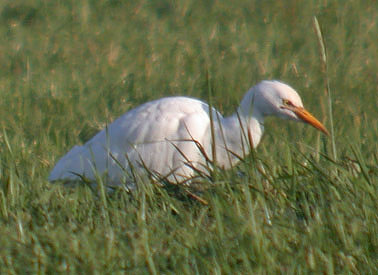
(71, 67)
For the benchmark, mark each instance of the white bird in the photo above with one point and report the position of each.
(175, 137)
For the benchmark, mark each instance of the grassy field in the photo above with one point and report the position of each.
(70, 67)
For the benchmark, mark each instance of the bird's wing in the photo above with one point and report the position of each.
(156, 135)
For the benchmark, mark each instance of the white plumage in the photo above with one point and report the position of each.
(172, 137)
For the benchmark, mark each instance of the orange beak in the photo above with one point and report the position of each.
(307, 117)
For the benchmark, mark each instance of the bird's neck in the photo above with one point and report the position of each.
(250, 118)
(236, 136)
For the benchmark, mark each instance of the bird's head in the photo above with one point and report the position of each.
(274, 98)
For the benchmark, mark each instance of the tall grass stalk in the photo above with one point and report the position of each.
(324, 60)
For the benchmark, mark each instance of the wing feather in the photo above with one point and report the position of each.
(150, 133)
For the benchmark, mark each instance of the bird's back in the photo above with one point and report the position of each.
(157, 135)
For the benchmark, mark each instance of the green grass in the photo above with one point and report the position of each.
(70, 67)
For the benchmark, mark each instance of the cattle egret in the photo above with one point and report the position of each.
(176, 137)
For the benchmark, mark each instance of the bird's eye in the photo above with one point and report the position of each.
(287, 102)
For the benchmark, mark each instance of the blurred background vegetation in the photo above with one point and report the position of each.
(70, 67)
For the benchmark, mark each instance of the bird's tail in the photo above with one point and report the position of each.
(69, 166)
